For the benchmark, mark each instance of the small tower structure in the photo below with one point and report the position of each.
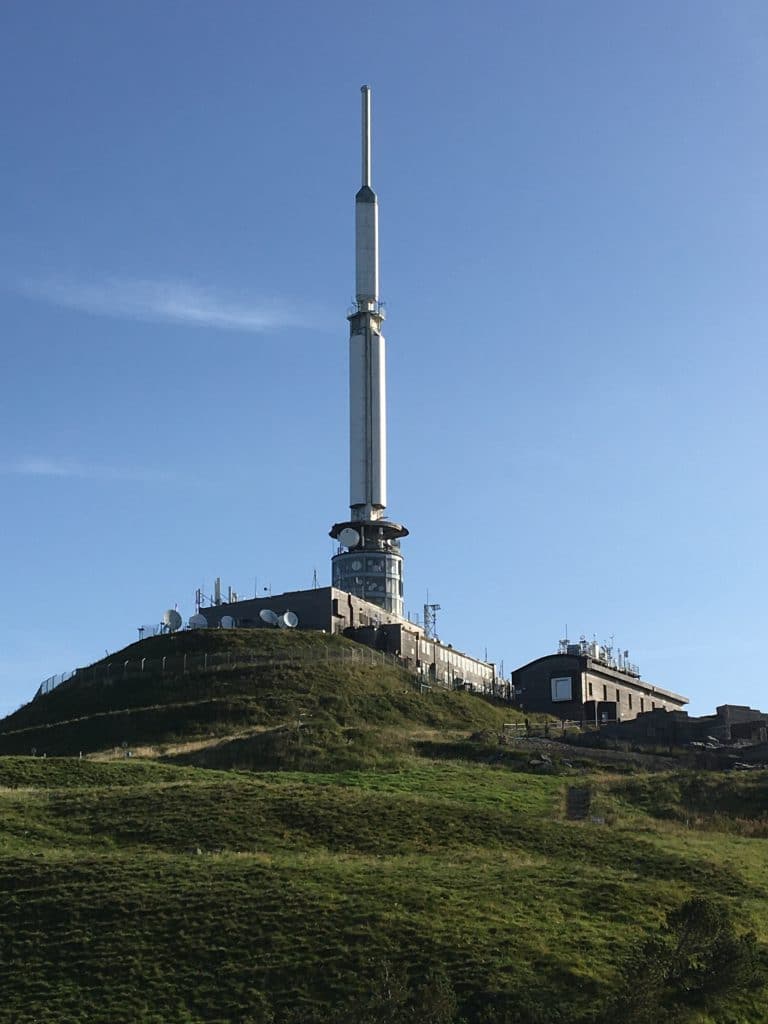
(368, 562)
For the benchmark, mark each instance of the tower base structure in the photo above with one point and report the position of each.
(368, 563)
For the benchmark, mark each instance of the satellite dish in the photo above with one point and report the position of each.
(349, 538)
(227, 622)
(198, 621)
(268, 616)
(290, 620)
(172, 620)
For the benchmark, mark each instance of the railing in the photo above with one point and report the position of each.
(53, 681)
(114, 671)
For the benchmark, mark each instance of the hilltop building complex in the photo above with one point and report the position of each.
(365, 601)
(584, 682)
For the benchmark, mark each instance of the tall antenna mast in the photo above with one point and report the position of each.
(366, 135)
(378, 578)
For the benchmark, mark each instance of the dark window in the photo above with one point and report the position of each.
(618, 695)
(605, 693)
(590, 688)
(642, 704)
(629, 698)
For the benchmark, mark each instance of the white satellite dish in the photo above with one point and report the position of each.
(349, 538)
(268, 616)
(227, 622)
(289, 620)
(172, 620)
(198, 621)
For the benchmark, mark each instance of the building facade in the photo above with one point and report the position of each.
(584, 688)
(336, 611)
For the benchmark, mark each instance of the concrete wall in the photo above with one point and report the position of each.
(730, 722)
(600, 693)
(435, 661)
(336, 611)
(324, 608)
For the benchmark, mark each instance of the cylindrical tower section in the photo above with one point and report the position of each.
(367, 417)
(372, 565)
(366, 222)
(366, 248)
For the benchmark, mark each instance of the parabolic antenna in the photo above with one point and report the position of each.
(172, 620)
(198, 621)
(268, 616)
(349, 538)
(290, 620)
(227, 622)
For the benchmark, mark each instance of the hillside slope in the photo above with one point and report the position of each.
(285, 699)
(138, 892)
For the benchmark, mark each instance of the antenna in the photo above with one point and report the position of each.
(198, 621)
(227, 622)
(349, 537)
(288, 620)
(366, 94)
(314, 579)
(172, 620)
(268, 616)
(430, 619)
(217, 590)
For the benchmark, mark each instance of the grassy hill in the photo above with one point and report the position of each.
(300, 699)
(360, 880)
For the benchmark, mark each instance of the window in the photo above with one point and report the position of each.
(562, 688)
(618, 695)
(642, 704)
(605, 693)
(629, 698)
(590, 689)
(653, 705)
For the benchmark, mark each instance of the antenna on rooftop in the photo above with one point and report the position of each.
(430, 619)
(171, 620)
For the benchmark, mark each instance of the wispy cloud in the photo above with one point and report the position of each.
(48, 466)
(166, 301)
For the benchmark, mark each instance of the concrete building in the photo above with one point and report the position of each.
(584, 683)
(731, 723)
(336, 611)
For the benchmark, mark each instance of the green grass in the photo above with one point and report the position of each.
(346, 707)
(294, 863)
(306, 881)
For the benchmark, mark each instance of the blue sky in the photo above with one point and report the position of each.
(573, 208)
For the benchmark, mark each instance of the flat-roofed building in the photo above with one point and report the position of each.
(585, 683)
(336, 611)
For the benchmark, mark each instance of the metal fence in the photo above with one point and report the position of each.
(185, 664)
(113, 671)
